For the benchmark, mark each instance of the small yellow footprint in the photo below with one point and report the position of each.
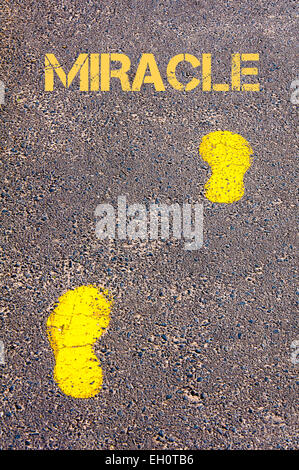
(73, 327)
(229, 156)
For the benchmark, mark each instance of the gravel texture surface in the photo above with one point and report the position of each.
(198, 351)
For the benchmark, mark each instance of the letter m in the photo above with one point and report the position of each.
(165, 210)
(52, 64)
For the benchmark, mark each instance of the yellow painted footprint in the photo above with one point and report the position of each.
(229, 156)
(73, 327)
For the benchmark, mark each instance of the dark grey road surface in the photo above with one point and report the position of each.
(198, 352)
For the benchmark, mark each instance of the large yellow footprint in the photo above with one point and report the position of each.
(73, 327)
(229, 156)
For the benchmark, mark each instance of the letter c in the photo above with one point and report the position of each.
(171, 68)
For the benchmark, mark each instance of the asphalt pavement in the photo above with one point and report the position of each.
(198, 351)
